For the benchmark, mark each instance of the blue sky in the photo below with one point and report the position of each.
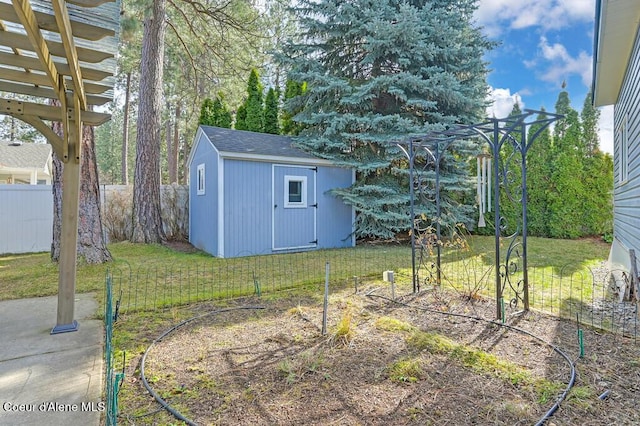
(542, 44)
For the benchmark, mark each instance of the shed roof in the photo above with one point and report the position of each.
(25, 156)
(254, 144)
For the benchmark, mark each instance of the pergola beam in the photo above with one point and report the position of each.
(64, 27)
(46, 130)
(39, 79)
(20, 60)
(38, 44)
(48, 23)
(16, 52)
(21, 41)
(89, 3)
(43, 92)
(48, 112)
(56, 80)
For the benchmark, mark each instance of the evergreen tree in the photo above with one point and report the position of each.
(597, 203)
(215, 113)
(271, 124)
(566, 191)
(377, 73)
(221, 113)
(511, 181)
(590, 116)
(539, 159)
(207, 117)
(254, 104)
(241, 118)
(293, 92)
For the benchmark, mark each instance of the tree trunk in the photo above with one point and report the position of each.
(172, 150)
(124, 173)
(185, 163)
(168, 136)
(91, 243)
(147, 220)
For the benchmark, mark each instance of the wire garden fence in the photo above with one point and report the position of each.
(570, 291)
(112, 379)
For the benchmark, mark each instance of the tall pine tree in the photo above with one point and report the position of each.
(207, 117)
(241, 118)
(293, 92)
(539, 160)
(221, 113)
(215, 113)
(254, 104)
(271, 124)
(511, 182)
(566, 191)
(377, 73)
(597, 203)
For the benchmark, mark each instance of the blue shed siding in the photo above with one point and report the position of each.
(203, 212)
(247, 208)
(627, 194)
(335, 218)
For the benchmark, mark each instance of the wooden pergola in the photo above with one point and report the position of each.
(61, 51)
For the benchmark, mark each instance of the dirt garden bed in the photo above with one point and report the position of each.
(382, 363)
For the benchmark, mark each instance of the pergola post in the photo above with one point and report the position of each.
(69, 235)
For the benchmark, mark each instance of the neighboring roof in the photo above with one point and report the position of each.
(615, 33)
(251, 144)
(25, 156)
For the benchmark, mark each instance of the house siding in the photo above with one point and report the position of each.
(203, 214)
(627, 193)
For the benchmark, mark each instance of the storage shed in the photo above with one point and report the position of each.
(255, 193)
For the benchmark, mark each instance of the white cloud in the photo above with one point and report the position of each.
(502, 102)
(605, 129)
(560, 65)
(498, 15)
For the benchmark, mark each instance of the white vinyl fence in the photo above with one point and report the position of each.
(26, 218)
(26, 215)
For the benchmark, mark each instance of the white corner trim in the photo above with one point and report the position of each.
(220, 206)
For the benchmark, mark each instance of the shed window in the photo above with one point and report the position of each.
(295, 191)
(201, 180)
(623, 153)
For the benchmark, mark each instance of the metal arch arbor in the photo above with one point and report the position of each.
(59, 50)
(497, 133)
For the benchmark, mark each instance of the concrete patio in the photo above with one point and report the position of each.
(45, 379)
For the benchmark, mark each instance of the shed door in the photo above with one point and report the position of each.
(294, 207)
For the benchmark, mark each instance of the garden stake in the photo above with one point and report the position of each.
(393, 289)
(326, 299)
(256, 285)
(502, 309)
(355, 283)
(580, 337)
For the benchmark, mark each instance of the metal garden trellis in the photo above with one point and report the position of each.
(497, 133)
